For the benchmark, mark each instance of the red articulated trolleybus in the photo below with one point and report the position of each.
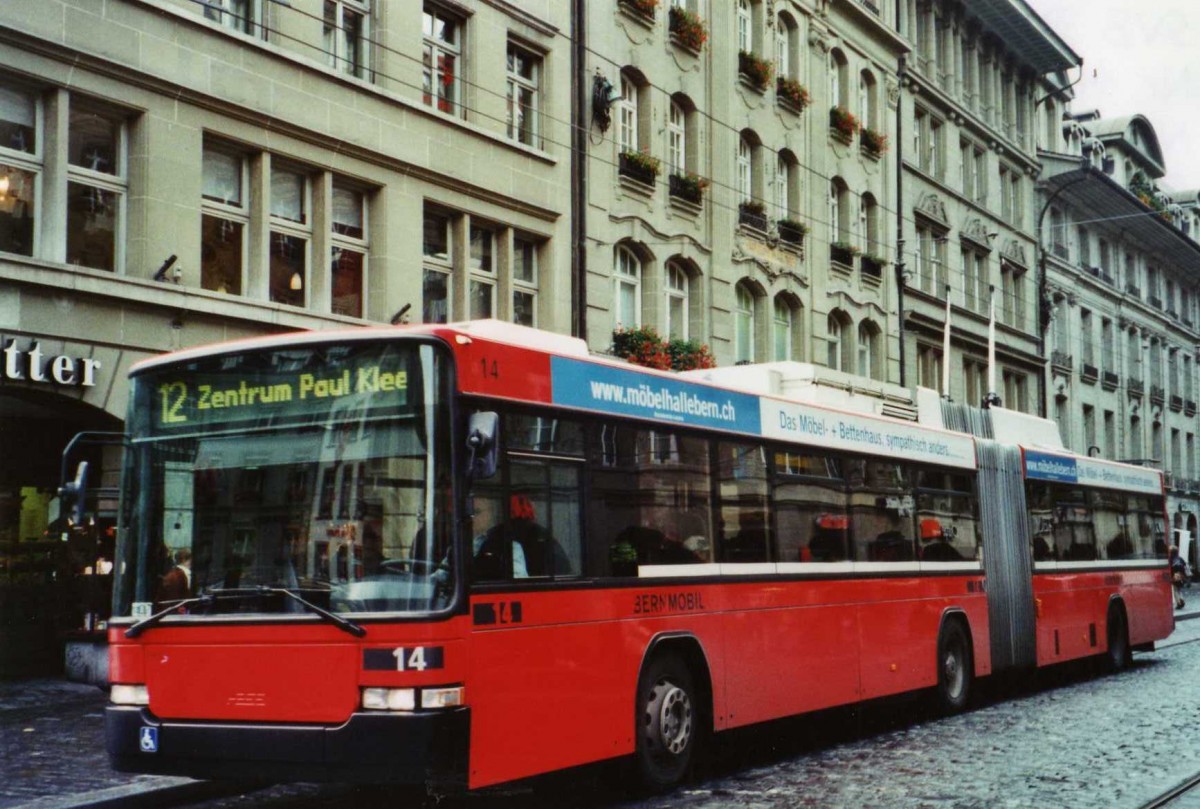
(461, 555)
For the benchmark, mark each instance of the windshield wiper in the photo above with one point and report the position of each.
(341, 623)
(141, 626)
(210, 598)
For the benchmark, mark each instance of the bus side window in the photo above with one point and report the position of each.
(744, 522)
(881, 511)
(809, 491)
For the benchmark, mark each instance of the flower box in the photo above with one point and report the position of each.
(871, 266)
(687, 28)
(843, 253)
(792, 93)
(643, 8)
(873, 143)
(791, 231)
(753, 214)
(689, 187)
(843, 124)
(639, 166)
(756, 69)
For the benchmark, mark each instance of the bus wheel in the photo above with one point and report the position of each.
(667, 722)
(954, 668)
(1119, 654)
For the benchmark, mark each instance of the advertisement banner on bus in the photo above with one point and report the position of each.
(796, 422)
(1091, 472)
(606, 389)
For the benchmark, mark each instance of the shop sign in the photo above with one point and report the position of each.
(31, 365)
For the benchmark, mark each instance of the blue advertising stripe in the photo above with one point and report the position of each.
(605, 389)
(1042, 466)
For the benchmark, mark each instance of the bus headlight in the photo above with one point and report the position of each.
(129, 695)
(407, 699)
(389, 699)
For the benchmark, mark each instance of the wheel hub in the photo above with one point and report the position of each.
(675, 720)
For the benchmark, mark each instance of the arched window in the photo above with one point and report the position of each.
(839, 210)
(677, 138)
(783, 186)
(784, 329)
(627, 289)
(745, 26)
(868, 225)
(839, 79)
(868, 350)
(745, 169)
(786, 47)
(743, 324)
(627, 115)
(839, 341)
(867, 114)
(678, 293)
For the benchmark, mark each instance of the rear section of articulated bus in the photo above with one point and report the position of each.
(287, 596)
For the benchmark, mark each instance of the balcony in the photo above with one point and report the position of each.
(870, 5)
(1132, 289)
(1062, 360)
(1154, 301)
(1108, 279)
(1110, 380)
(1089, 373)
(1189, 407)
(1060, 250)
(1171, 313)
(1176, 403)
(791, 231)
(686, 188)
(1157, 394)
(841, 254)
(1187, 321)
(753, 215)
(871, 266)
(1135, 386)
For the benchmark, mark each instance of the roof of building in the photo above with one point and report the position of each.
(1137, 135)
(1026, 33)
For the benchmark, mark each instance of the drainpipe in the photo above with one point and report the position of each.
(579, 155)
(900, 214)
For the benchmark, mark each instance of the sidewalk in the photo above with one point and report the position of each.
(52, 750)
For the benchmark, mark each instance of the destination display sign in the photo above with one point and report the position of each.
(1091, 472)
(189, 397)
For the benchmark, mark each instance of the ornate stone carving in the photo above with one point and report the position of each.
(1014, 250)
(932, 206)
(976, 231)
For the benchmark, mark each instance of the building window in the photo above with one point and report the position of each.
(743, 324)
(443, 51)
(745, 169)
(1012, 292)
(867, 105)
(787, 40)
(745, 26)
(839, 70)
(481, 289)
(20, 165)
(348, 264)
(868, 225)
(627, 116)
(786, 179)
(291, 234)
(435, 285)
(783, 330)
(1015, 387)
(524, 73)
(224, 219)
(868, 350)
(678, 293)
(627, 289)
(931, 261)
(927, 135)
(839, 211)
(838, 341)
(346, 35)
(975, 280)
(929, 367)
(524, 281)
(96, 188)
(236, 15)
(677, 139)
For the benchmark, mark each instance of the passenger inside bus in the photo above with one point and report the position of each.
(519, 546)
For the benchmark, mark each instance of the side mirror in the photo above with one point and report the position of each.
(483, 444)
(74, 494)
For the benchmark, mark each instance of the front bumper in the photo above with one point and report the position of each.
(421, 748)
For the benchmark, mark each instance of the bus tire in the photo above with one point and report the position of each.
(668, 722)
(954, 667)
(1119, 654)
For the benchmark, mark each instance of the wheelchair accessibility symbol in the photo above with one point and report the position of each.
(148, 740)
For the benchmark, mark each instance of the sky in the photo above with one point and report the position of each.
(1139, 56)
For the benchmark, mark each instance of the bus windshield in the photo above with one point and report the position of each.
(319, 470)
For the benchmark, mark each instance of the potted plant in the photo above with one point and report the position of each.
(643, 346)
(843, 123)
(873, 143)
(641, 166)
(753, 213)
(792, 231)
(843, 252)
(873, 265)
(687, 27)
(689, 355)
(755, 68)
(689, 186)
(644, 8)
(792, 92)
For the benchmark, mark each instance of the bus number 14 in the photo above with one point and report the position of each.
(418, 658)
